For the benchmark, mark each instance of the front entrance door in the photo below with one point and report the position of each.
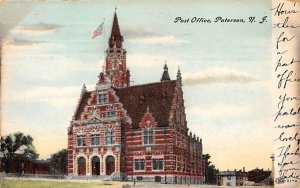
(81, 166)
(95, 166)
(110, 165)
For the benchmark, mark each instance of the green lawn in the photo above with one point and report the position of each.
(21, 183)
(43, 183)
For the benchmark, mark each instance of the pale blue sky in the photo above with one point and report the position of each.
(48, 54)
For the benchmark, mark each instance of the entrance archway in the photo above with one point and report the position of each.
(95, 166)
(110, 165)
(81, 166)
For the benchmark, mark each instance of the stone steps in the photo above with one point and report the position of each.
(104, 178)
(116, 176)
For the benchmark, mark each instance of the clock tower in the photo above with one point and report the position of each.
(115, 64)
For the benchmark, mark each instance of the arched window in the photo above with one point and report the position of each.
(110, 165)
(81, 166)
(109, 136)
(95, 166)
(148, 136)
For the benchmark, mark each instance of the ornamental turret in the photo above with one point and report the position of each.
(165, 75)
(179, 78)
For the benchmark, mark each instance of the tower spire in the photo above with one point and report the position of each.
(165, 76)
(116, 39)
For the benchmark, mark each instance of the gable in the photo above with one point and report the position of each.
(82, 103)
(91, 110)
(148, 120)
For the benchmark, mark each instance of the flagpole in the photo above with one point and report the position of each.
(103, 45)
(104, 33)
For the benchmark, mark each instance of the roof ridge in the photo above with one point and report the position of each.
(147, 84)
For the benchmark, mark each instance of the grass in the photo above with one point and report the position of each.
(46, 183)
(23, 183)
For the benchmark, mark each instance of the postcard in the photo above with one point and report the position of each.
(172, 92)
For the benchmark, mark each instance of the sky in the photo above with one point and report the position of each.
(48, 53)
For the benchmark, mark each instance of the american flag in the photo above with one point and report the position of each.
(98, 31)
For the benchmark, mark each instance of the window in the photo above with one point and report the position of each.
(148, 136)
(110, 113)
(180, 164)
(157, 164)
(109, 136)
(157, 178)
(95, 140)
(102, 98)
(139, 164)
(175, 163)
(175, 139)
(118, 62)
(178, 115)
(139, 178)
(229, 177)
(112, 64)
(80, 140)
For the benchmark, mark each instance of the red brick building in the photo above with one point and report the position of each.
(133, 132)
(258, 175)
(21, 165)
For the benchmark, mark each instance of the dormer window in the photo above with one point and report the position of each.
(102, 98)
(148, 136)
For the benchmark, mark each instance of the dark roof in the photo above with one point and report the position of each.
(157, 96)
(135, 99)
(115, 36)
(115, 31)
(42, 161)
(230, 173)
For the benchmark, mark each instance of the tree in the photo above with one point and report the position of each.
(58, 162)
(210, 171)
(14, 147)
